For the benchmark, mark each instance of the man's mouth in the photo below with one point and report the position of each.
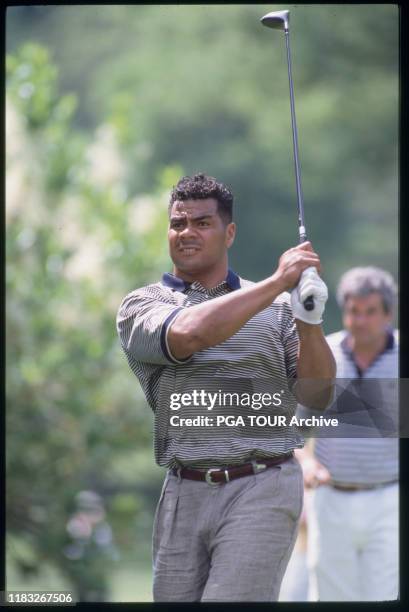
(188, 250)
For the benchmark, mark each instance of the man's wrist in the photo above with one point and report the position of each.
(277, 284)
(308, 329)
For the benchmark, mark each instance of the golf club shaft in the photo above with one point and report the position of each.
(301, 220)
(309, 301)
(279, 20)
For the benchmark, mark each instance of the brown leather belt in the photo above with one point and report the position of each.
(216, 476)
(361, 487)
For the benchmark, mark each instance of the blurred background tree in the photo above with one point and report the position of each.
(106, 107)
(75, 245)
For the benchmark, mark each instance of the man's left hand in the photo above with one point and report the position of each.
(310, 284)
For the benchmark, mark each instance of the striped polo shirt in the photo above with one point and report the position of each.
(361, 460)
(264, 349)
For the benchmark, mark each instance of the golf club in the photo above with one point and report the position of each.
(279, 20)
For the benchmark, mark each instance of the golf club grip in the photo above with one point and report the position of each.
(309, 303)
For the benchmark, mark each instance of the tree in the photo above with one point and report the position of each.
(76, 243)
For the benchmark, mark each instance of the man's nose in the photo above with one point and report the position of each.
(188, 230)
(360, 319)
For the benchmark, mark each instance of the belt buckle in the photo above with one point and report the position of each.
(208, 477)
(258, 467)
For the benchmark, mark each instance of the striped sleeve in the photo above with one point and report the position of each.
(142, 325)
(290, 340)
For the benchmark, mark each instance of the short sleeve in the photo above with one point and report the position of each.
(142, 323)
(291, 343)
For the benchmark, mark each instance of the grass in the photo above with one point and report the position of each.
(130, 581)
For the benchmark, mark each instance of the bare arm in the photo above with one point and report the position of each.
(316, 367)
(214, 321)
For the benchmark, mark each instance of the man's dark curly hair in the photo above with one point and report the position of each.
(201, 187)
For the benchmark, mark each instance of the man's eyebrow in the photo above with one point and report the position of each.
(200, 217)
(195, 218)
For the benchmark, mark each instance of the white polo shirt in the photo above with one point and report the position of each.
(362, 460)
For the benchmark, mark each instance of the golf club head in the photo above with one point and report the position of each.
(278, 20)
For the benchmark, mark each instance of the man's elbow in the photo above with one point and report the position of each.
(183, 339)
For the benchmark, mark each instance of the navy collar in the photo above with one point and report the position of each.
(390, 344)
(178, 284)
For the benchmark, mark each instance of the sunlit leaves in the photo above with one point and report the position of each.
(73, 407)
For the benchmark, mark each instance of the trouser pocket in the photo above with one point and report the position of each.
(164, 515)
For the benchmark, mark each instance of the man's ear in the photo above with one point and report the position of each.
(230, 234)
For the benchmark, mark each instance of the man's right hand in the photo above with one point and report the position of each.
(293, 262)
(315, 474)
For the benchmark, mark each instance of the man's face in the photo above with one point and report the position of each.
(198, 237)
(365, 318)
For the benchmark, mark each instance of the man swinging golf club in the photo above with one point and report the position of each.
(228, 513)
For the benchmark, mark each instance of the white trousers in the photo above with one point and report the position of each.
(353, 544)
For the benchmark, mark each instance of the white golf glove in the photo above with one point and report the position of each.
(310, 284)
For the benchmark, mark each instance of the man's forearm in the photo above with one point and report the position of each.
(214, 321)
(316, 369)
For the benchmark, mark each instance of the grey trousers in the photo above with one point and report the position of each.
(228, 542)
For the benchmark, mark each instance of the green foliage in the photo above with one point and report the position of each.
(33, 80)
(73, 410)
(32, 84)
